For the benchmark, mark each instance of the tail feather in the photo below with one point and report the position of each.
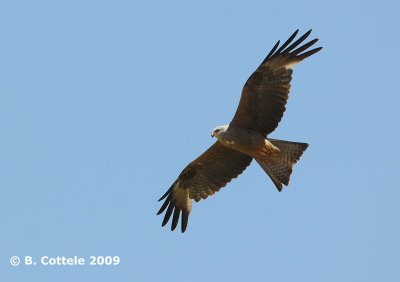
(280, 170)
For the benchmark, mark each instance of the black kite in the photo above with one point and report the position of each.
(260, 109)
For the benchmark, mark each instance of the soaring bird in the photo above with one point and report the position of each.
(260, 109)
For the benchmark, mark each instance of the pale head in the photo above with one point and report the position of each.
(219, 130)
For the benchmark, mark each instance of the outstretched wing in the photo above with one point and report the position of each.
(265, 93)
(202, 177)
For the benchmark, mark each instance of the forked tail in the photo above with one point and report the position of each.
(280, 170)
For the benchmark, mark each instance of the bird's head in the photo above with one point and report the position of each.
(219, 130)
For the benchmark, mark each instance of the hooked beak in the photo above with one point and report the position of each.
(212, 135)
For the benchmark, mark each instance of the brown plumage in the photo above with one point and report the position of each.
(201, 178)
(260, 109)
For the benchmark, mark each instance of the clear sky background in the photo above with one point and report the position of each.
(103, 103)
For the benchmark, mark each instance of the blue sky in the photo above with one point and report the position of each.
(103, 103)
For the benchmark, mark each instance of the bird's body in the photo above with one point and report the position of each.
(247, 141)
(260, 109)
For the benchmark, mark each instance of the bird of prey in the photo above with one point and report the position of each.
(260, 109)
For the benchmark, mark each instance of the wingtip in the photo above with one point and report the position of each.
(168, 213)
(163, 196)
(309, 53)
(307, 34)
(175, 218)
(171, 208)
(167, 201)
(317, 50)
(184, 220)
(166, 193)
(294, 35)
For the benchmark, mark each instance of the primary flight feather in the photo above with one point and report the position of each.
(260, 109)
